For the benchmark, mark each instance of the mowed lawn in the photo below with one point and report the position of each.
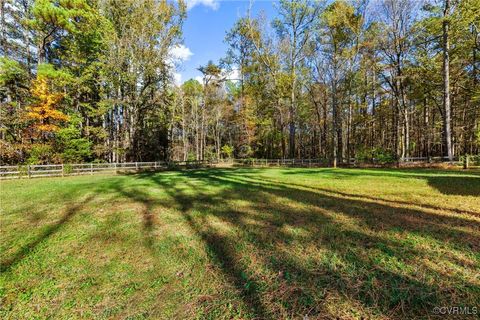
(241, 244)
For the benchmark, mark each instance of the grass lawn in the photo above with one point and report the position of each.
(241, 243)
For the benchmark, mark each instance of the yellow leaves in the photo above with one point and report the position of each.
(44, 112)
(47, 127)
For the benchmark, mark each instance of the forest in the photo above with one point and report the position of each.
(302, 163)
(93, 81)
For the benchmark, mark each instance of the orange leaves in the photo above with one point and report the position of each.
(44, 112)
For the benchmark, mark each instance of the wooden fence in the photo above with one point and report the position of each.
(61, 170)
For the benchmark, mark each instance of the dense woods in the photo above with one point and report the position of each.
(86, 80)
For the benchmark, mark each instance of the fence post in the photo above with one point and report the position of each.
(465, 162)
(63, 171)
(29, 172)
(91, 168)
(115, 166)
(136, 165)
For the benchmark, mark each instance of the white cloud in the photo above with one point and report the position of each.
(177, 78)
(180, 53)
(212, 4)
(234, 75)
(199, 79)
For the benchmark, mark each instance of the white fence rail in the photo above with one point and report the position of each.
(60, 170)
(277, 162)
(410, 159)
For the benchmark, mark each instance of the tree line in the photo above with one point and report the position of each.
(85, 80)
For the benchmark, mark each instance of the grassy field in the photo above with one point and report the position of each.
(241, 243)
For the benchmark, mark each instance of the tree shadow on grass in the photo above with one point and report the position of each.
(378, 289)
(378, 199)
(449, 182)
(376, 215)
(219, 248)
(458, 185)
(147, 214)
(70, 212)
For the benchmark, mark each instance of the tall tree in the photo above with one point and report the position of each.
(294, 26)
(339, 34)
(44, 113)
(446, 82)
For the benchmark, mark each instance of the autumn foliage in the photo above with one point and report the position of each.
(44, 112)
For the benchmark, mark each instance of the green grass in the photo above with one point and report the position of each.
(241, 243)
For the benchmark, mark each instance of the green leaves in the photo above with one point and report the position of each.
(60, 76)
(11, 72)
(50, 15)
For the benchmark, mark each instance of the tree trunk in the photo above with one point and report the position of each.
(446, 84)
(184, 133)
(335, 130)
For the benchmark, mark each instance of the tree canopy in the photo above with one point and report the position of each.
(85, 80)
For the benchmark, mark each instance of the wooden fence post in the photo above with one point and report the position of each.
(63, 171)
(29, 172)
(91, 168)
(465, 162)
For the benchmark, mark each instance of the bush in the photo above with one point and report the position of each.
(210, 153)
(71, 146)
(12, 153)
(67, 169)
(376, 155)
(191, 156)
(23, 170)
(473, 159)
(40, 154)
(172, 165)
(227, 151)
(245, 151)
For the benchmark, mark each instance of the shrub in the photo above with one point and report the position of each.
(473, 159)
(245, 151)
(376, 155)
(71, 146)
(67, 168)
(40, 154)
(227, 151)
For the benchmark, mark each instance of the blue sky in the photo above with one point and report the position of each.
(205, 28)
